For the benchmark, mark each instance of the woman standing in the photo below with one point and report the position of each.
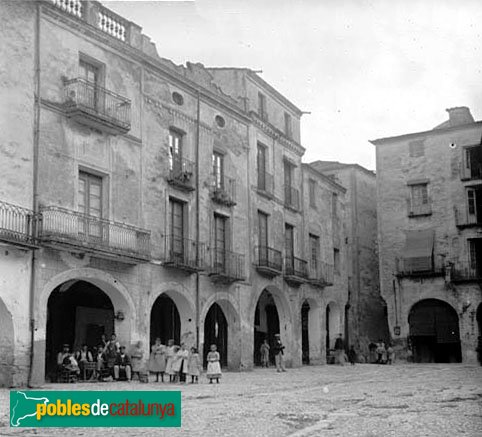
(214, 368)
(170, 360)
(157, 359)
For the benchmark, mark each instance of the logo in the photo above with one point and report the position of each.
(95, 409)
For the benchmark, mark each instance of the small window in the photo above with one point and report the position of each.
(177, 98)
(288, 125)
(312, 192)
(220, 121)
(416, 149)
(419, 194)
(262, 106)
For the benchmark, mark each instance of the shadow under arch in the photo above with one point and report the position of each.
(7, 346)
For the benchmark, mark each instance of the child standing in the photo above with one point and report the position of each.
(214, 368)
(264, 350)
(157, 360)
(170, 359)
(390, 354)
(194, 365)
(180, 364)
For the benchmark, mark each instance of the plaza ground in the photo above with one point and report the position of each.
(363, 400)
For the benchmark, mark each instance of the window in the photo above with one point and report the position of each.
(218, 170)
(416, 148)
(90, 204)
(175, 150)
(336, 260)
(262, 106)
(220, 121)
(177, 98)
(220, 244)
(312, 192)
(419, 194)
(334, 205)
(289, 241)
(261, 162)
(177, 227)
(314, 252)
(262, 229)
(472, 163)
(288, 126)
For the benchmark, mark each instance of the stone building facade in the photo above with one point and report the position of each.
(429, 238)
(366, 318)
(136, 200)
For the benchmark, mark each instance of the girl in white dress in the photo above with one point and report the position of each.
(214, 366)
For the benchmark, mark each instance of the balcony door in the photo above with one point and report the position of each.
(474, 205)
(263, 238)
(288, 180)
(218, 170)
(177, 229)
(90, 206)
(289, 248)
(175, 153)
(220, 246)
(314, 251)
(89, 91)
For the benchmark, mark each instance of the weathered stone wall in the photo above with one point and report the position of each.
(441, 165)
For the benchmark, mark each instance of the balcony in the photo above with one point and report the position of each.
(419, 209)
(465, 272)
(181, 173)
(419, 267)
(268, 261)
(265, 185)
(226, 266)
(296, 270)
(465, 220)
(89, 104)
(65, 229)
(321, 274)
(223, 191)
(17, 225)
(292, 198)
(182, 253)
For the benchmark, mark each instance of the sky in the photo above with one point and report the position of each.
(363, 69)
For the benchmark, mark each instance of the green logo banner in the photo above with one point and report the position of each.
(44, 409)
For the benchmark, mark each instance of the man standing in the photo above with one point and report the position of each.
(340, 350)
(122, 363)
(278, 354)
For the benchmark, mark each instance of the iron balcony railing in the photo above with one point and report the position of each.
(265, 183)
(181, 172)
(87, 99)
(321, 273)
(292, 197)
(296, 267)
(64, 227)
(464, 220)
(184, 253)
(414, 209)
(421, 266)
(17, 225)
(465, 271)
(223, 190)
(227, 265)
(268, 258)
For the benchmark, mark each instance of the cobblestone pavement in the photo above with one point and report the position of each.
(363, 400)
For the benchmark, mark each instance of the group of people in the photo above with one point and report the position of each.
(382, 354)
(113, 362)
(278, 350)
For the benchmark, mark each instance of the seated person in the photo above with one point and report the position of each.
(66, 361)
(64, 353)
(84, 356)
(122, 364)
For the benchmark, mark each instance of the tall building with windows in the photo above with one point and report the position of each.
(429, 238)
(150, 200)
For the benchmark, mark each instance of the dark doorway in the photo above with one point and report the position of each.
(327, 326)
(216, 332)
(77, 313)
(434, 332)
(165, 321)
(305, 345)
(266, 325)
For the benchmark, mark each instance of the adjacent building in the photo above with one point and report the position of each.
(429, 233)
(150, 200)
(365, 312)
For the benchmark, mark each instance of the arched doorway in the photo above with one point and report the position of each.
(6, 346)
(165, 320)
(479, 338)
(266, 325)
(78, 312)
(216, 332)
(333, 325)
(434, 332)
(305, 336)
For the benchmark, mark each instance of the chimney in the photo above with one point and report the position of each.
(459, 116)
